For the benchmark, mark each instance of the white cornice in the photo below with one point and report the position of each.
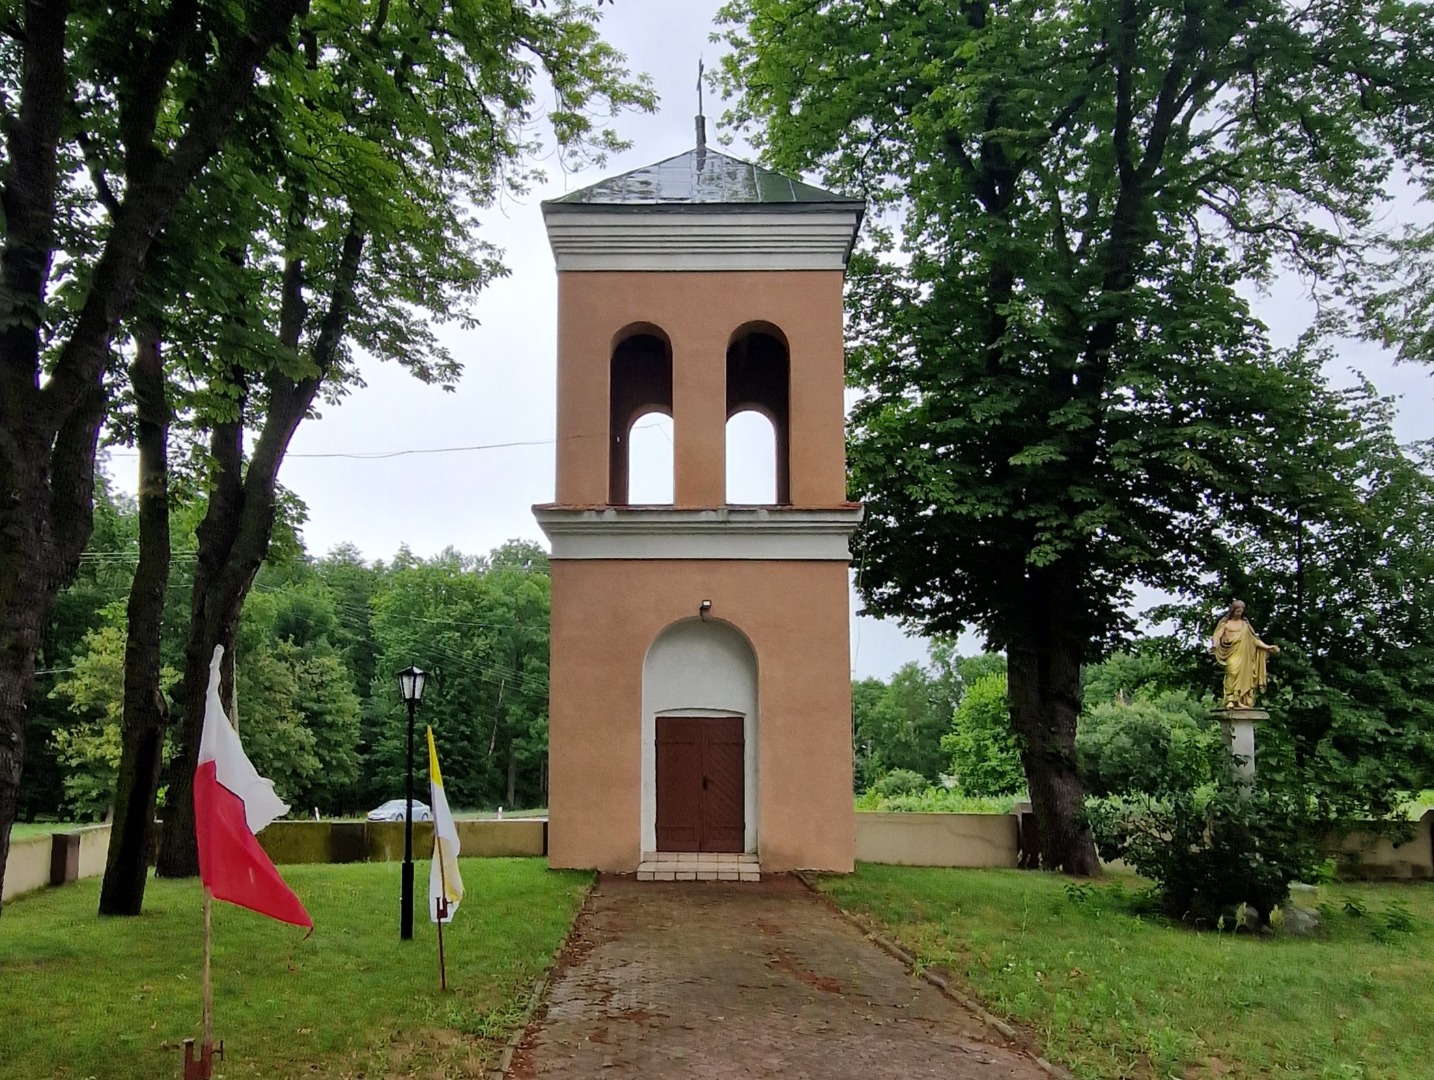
(769, 239)
(728, 532)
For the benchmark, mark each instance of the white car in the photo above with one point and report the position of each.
(393, 811)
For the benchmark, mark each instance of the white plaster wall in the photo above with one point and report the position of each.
(936, 839)
(28, 866)
(699, 667)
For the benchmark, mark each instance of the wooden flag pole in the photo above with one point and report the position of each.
(202, 1067)
(442, 911)
(442, 971)
(208, 985)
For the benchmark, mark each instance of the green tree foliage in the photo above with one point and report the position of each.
(482, 626)
(298, 710)
(111, 112)
(897, 725)
(900, 782)
(1149, 744)
(102, 578)
(1142, 730)
(346, 224)
(984, 753)
(1065, 391)
(352, 583)
(314, 634)
(1344, 590)
(299, 714)
(88, 746)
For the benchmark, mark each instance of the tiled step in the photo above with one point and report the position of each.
(698, 866)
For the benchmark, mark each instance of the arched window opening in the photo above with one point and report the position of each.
(758, 372)
(751, 459)
(641, 383)
(650, 457)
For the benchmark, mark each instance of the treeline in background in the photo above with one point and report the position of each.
(319, 642)
(939, 737)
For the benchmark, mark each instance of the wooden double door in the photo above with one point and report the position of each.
(701, 783)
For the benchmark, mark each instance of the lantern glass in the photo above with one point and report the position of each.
(411, 682)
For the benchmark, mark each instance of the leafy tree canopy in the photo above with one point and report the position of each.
(1064, 390)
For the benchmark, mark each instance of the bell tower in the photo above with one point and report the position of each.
(700, 682)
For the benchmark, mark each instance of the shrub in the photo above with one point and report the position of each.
(901, 782)
(1152, 744)
(1212, 849)
(985, 753)
(937, 800)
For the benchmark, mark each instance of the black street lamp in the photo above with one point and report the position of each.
(410, 688)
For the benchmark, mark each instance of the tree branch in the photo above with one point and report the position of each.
(96, 167)
(148, 206)
(139, 110)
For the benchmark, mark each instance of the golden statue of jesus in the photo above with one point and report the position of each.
(1243, 654)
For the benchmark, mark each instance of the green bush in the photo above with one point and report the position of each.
(985, 753)
(1151, 744)
(938, 800)
(1213, 849)
(901, 782)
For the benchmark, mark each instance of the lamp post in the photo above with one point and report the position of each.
(410, 687)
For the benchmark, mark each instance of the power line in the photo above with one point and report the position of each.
(380, 455)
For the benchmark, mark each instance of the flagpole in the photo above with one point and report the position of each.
(442, 914)
(442, 908)
(201, 1067)
(208, 986)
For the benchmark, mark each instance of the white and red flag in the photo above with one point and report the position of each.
(232, 802)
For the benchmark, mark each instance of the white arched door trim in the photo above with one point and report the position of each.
(699, 667)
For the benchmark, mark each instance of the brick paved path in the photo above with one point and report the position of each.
(717, 980)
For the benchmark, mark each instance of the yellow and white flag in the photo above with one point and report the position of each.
(445, 887)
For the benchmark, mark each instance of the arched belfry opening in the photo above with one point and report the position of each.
(758, 380)
(751, 446)
(640, 383)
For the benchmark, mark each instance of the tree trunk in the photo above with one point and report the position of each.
(214, 608)
(146, 714)
(512, 775)
(1044, 693)
(49, 422)
(43, 529)
(234, 535)
(25, 604)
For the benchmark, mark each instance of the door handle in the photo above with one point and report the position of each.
(704, 783)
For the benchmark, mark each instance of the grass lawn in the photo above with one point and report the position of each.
(86, 997)
(1111, 994)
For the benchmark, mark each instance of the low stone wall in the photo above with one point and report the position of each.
(94, 851)
(972, 840)
(59, 857)
(28, 867)
(1372, 857)
(382, 841)
(55, 858)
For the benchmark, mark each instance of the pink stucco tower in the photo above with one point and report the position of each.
(700, 680)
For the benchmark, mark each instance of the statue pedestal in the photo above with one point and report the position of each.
(1239, 728)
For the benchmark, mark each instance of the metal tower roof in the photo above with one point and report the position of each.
(701, 177)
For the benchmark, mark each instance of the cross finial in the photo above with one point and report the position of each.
(701, 120)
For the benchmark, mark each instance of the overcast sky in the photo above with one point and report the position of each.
(474, 499)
